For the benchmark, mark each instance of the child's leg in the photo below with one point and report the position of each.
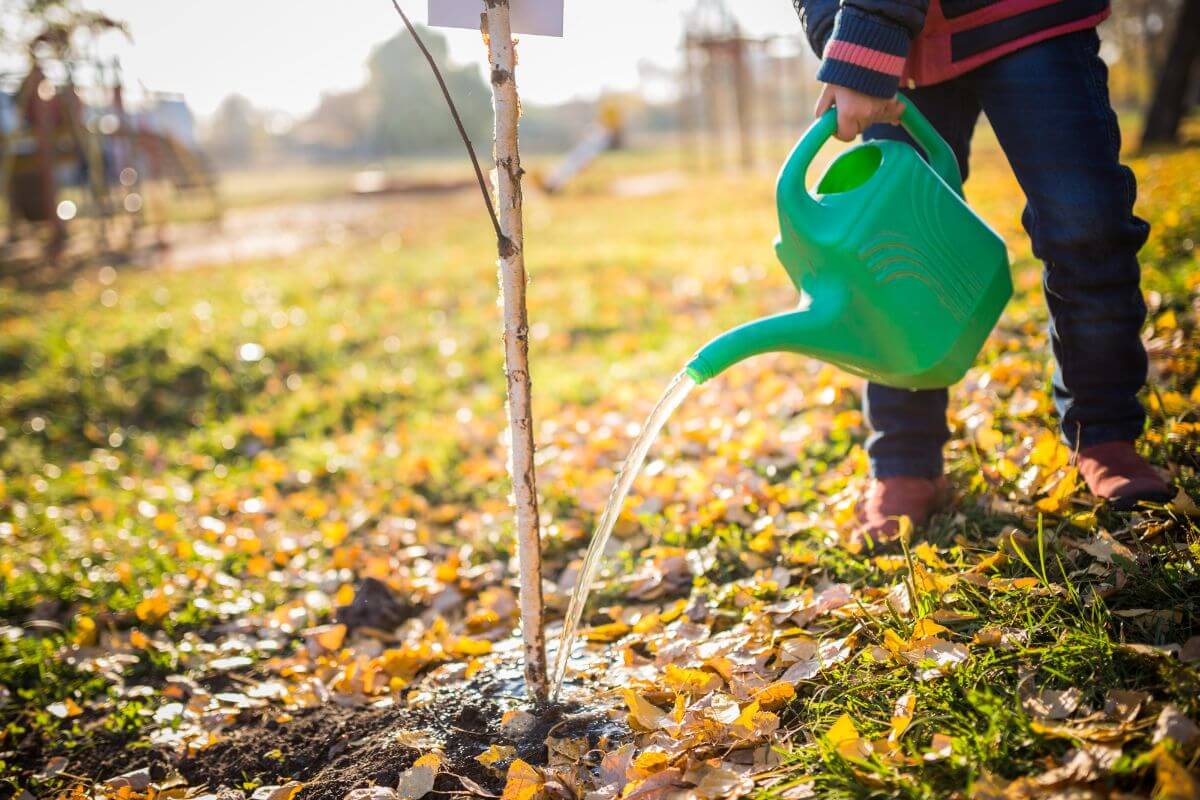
(909, 428)
(1050, 109)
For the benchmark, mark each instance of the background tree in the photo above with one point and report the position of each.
(235, 132)
(409, 114)
(1177, 74)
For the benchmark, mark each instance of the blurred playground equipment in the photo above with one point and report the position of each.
(73, 152)
(739, 101)
(607, 135)
(739, 94)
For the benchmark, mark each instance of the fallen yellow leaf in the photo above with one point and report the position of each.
(643, 713)
(842, 730)
(926, 628)
(603, 634)
(647, 763)
(754, 723)
(775, 695)
(466, 646)
(523, 782)
(153, 608)
(495, 755)
(902, 716)
(85, 632)
(1175, 781)
(65, 709)
(691, 681)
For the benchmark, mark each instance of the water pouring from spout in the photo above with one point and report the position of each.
(676, 391)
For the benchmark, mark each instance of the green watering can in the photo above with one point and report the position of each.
(901, 281)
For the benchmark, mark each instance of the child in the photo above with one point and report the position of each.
(1033, 67)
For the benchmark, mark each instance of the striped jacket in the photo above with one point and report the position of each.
(876, 46)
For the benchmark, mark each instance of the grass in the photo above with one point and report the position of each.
(181, 449)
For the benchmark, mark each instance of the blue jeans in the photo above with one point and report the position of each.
(1049, 107)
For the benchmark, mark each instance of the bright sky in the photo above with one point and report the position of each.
(283, 53)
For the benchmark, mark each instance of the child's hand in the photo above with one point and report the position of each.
(856, 111)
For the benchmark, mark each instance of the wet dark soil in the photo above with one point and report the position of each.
(101, 754)
(333, 749)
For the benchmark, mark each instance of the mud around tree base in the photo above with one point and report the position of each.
(333, 749)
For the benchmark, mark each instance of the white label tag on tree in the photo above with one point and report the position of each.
(535, 17)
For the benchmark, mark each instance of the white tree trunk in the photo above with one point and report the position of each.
(516, 340)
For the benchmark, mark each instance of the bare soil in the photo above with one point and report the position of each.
(333, 749)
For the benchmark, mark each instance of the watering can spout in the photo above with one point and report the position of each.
(808, 331)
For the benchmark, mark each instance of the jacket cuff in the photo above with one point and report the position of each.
(865, 54)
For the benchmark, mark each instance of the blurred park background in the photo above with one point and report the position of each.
(124, 119)
(251, 388)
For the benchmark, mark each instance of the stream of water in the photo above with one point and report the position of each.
(672, 397)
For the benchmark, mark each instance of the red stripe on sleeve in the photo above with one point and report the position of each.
(865, 57)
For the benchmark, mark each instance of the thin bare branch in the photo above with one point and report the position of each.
(458, 123)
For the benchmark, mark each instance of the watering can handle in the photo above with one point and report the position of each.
(941, 157)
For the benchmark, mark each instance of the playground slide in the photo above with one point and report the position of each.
(587, 151)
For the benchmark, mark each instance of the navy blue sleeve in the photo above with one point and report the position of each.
(863, 43)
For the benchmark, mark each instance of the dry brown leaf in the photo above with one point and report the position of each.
(1052, 703)
(137, 781)
(1124, 706)
(662, 785)
(829, 653)
(1104, 548)
(724, 709)
(798, 648)
(516, 721)
(1078, 766)
(285, 792)
(417, 781)
(940, 747)
(936, 657)
(1184, 504)
(1150, 650)
(1189, 653)
(799, 791)
(614, 767)
(1173, 724)
(56, 766)
(714, 781)
(1085, 731)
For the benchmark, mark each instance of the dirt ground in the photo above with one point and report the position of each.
(333, 749)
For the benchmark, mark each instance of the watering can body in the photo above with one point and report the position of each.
(901, 281)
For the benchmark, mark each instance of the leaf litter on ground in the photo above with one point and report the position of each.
(320, 548)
